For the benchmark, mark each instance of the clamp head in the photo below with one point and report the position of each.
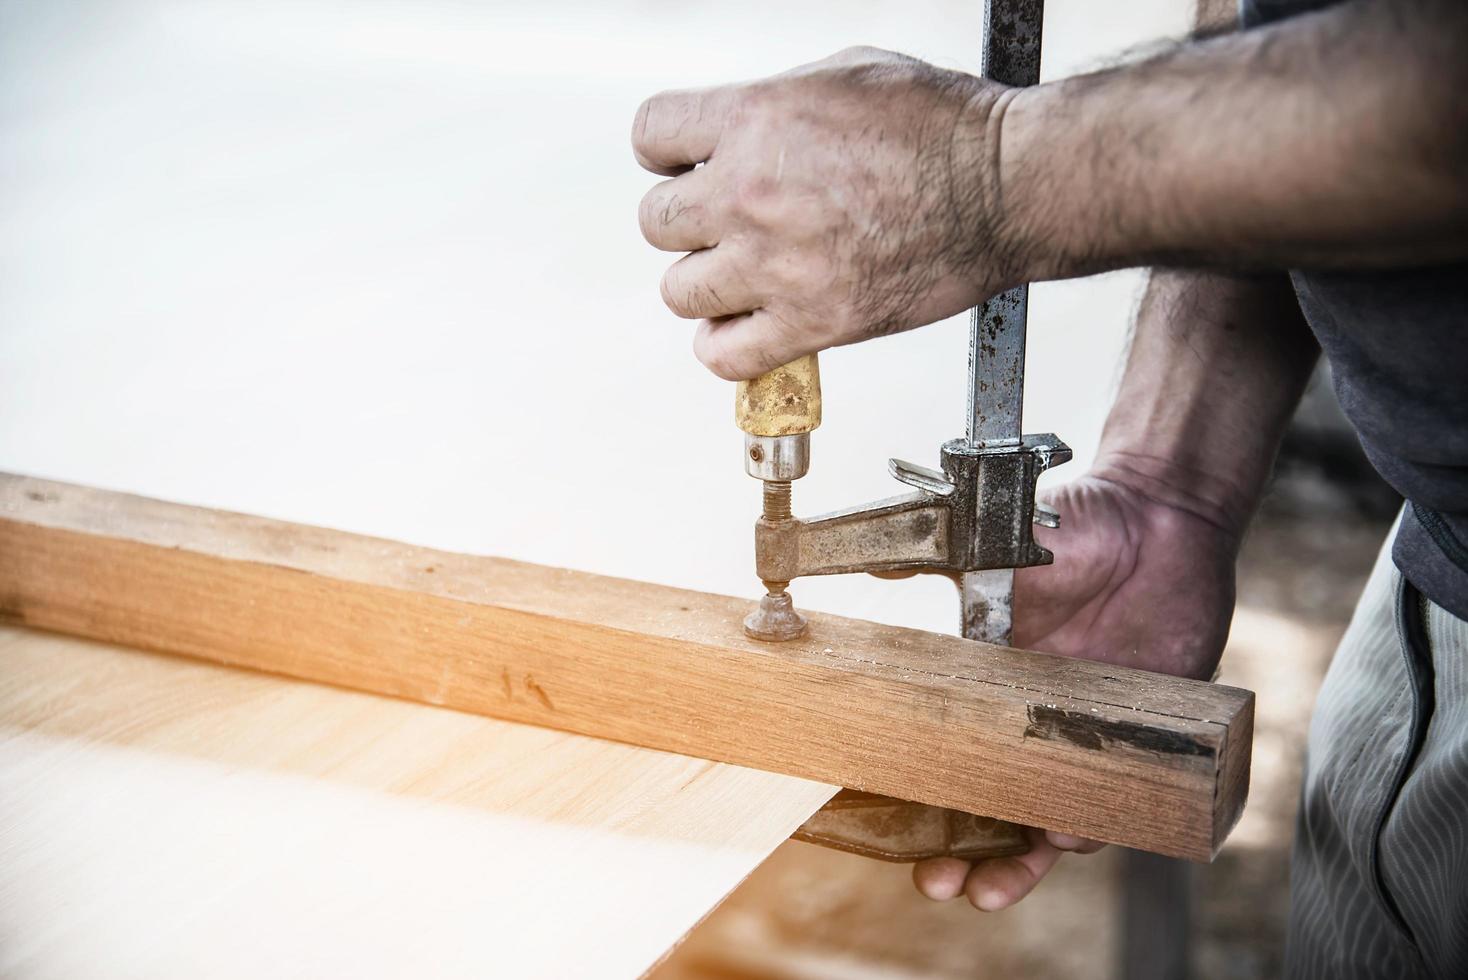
(774, 620)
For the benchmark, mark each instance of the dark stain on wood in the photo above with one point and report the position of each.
(1087, 731)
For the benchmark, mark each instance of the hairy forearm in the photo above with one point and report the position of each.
(1333, 139)
(1216, 366)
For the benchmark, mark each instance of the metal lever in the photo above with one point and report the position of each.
(921, 477)
(976, 514)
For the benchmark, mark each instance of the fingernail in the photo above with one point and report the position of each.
(1064, 842)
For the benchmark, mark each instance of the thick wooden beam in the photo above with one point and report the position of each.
(1150, 761)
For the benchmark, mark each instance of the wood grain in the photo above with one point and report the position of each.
(161, 817)
(1150, 761)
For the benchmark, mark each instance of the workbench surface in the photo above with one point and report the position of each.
(166, 818)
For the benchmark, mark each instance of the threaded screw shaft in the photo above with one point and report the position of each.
(777, 500)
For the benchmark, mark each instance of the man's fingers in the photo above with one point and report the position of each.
(741, 347)
(1000, 882)
(675, 130)
(1072, 844)
(674, 215)
(707, 284)
(940, 878)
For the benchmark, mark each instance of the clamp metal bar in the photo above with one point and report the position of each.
(1012, 32)
(996, 359)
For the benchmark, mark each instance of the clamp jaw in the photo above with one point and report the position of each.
(976, 514)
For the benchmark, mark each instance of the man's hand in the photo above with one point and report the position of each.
(854, 197)
(1135, 582)
(870, 193)
(1144, 555)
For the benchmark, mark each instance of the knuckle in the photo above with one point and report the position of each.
(717, 354)
(801, 267)
(708, 353)
(754, 112)
(721, 364)
(657, 119)
(756, 197)
(798, 279)
(842, 324)
(652, 214)
(684, 298)
(673, 291)
(860, 55)
(645, 210)
(749, 100)
(640, 125)
(766, 360)
(651, 111)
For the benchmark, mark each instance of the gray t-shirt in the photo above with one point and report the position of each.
(1397, 340)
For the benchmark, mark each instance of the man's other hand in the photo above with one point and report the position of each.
(1135, 582)
(846, 199)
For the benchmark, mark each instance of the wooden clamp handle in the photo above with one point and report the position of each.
(781, 402)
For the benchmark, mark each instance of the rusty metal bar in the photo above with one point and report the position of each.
(1012, 33)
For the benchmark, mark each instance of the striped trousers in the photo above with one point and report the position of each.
(1379, 879)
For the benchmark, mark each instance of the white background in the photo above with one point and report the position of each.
(376, 266)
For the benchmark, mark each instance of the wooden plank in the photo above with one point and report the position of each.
(1150, 761)
(162, 817)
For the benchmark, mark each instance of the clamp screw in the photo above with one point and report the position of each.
(777, 500)
(775, 618)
